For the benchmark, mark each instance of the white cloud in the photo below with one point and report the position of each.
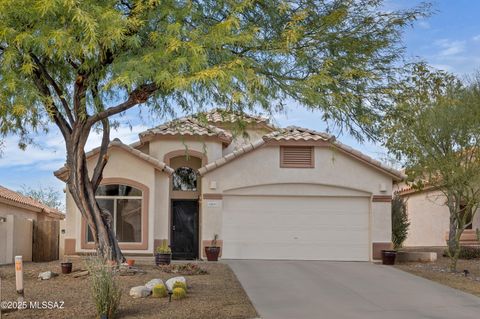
(450, 47)
(49, 154)
(476, 38)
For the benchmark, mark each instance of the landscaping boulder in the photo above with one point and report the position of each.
(170, 282)
(152, 283)
(46, 275)
(140, 292)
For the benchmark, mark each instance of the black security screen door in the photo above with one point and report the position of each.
(184, 229)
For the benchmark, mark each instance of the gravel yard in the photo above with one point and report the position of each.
(217, 294)
(438, 271)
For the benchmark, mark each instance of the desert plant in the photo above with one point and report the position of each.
(400, 223)
(163, 248)
(214, 240)
(159, 291)
(179, 293)
(179, 284)
(183, 269)
(105, 291)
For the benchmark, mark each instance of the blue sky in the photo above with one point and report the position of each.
(449, 40)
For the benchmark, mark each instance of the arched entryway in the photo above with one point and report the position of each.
(184, 209)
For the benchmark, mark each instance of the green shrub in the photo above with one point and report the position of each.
(400, 222)
(179, 293)
(179, 284)
(466, 252)
(105, 291)
(159, 291)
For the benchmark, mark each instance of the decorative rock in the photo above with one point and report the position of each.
(140, 292)
(170, 282)
(46, 275)
(152, 283)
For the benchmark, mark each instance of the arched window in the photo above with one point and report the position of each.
(184, 179)
(125, 205)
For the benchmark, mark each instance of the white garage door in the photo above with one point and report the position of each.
(303, 228)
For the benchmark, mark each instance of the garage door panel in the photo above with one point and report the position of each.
(307, 228)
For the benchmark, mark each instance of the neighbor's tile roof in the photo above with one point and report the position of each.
(295, 133)
(11, 196)
(188, 126)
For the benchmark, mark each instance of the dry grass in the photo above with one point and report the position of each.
(438, 271)
(217, 294)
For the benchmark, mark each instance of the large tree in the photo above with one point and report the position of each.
(80, 63)
(435, 130)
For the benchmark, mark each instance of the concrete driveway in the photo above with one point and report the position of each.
(340, 290)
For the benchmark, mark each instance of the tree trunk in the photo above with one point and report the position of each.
(83, 189)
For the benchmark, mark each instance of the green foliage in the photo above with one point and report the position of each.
(105, 291)
(163, 248)
(179, 293)
(400, 223)
(434, 129)
(159, 291)
(179, 284)
(61, 57)
(45, 195)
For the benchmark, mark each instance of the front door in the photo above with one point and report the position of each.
(184, 229)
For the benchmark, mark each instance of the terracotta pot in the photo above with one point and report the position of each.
(212, 253)
(388, 257)
(130, 262)
(162, 259)
(66, 268)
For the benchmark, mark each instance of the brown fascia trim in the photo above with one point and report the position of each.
(62, 173)
(382, 198)
(212, 196)
(33, 209)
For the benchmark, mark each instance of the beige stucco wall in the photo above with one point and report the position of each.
(429, 219)
(6, 210)
(159, 147)
(334, 170)
(15, 239)
(122, 164)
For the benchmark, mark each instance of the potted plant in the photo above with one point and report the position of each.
(213, 250)
(400, 226)
(163, 254)
(66, 266)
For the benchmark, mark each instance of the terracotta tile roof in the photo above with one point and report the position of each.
(221, 116)
(188, 126)
(62, 173)
(7, 195)
(294, 133)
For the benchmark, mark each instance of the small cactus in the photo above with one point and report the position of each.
(179, 293)
(159, 291)
(179, 284)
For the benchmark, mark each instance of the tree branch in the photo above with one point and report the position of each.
(137, 96)
(55, 86)
(102, 156)
(50, 105)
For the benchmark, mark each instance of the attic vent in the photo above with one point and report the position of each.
(296, 157)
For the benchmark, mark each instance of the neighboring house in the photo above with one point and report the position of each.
(281, 193)
(17, 212)
(430, 218)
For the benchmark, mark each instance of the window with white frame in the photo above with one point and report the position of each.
(125, 205)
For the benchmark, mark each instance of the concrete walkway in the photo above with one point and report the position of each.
(341, 290)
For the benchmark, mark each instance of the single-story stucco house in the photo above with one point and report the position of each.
(429, 218)
(17, 213)
(278, 193)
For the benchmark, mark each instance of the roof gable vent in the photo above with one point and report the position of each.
(297, 157)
